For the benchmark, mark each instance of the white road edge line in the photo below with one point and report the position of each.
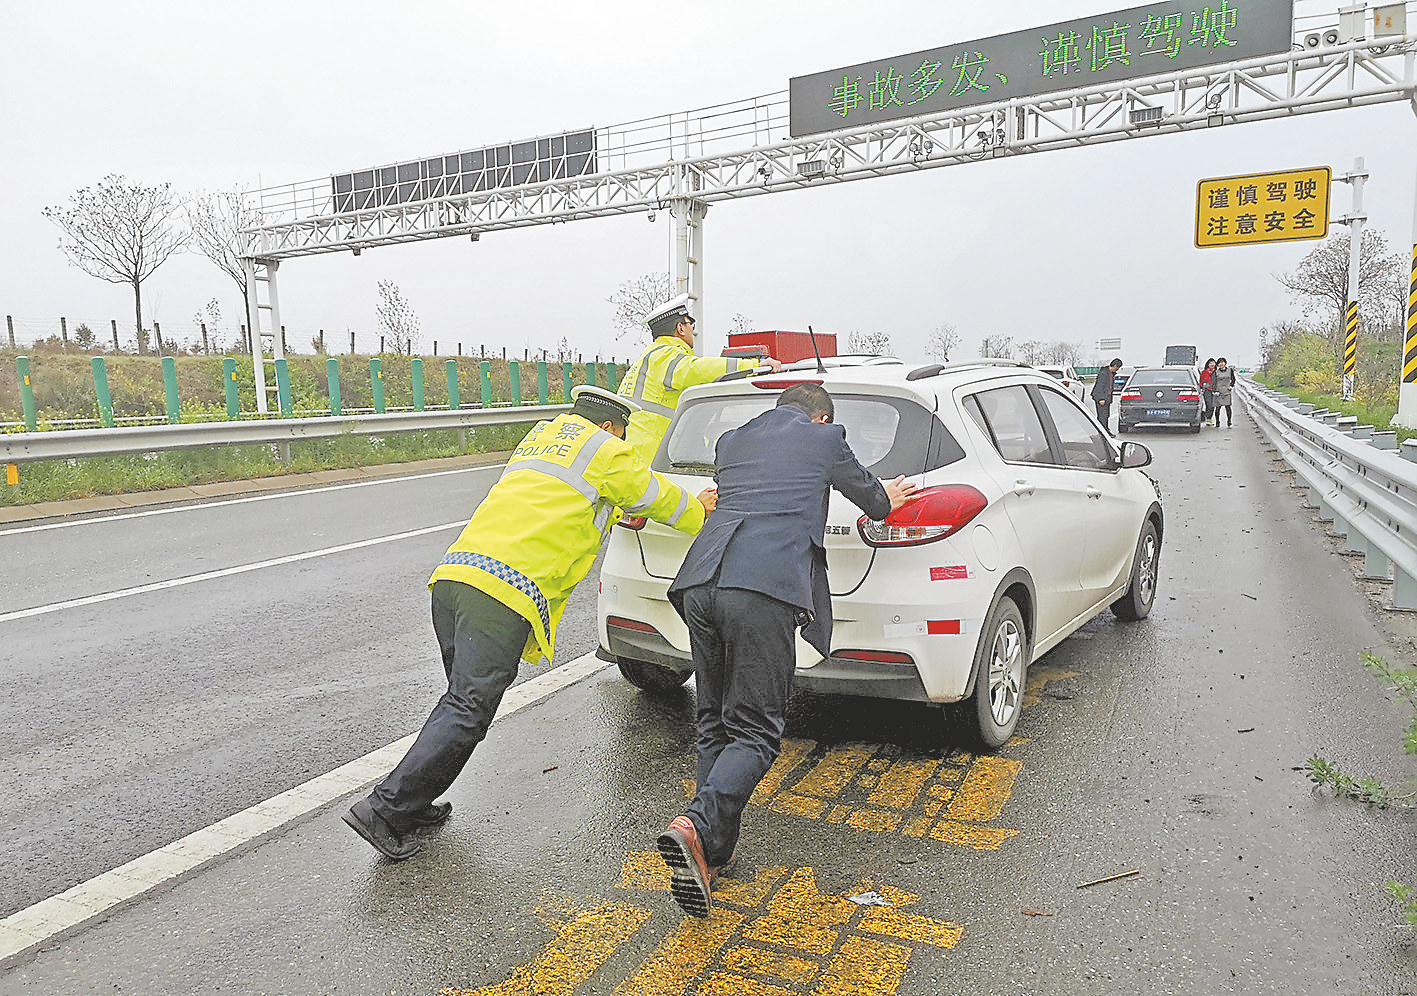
(202, 505)
(108, 596)
(29, 928)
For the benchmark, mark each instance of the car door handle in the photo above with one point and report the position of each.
(1022, 488)
(1092, 492)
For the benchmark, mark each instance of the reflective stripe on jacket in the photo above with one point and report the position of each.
(655, 381)
(536, 534)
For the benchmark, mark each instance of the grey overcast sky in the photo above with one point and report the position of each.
(1073, 245)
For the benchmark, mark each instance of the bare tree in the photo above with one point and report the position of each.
(1321, 280)
(942, 338)
(1033, 351)
(1066, 353)
(876, 343)
(121, 232)
(995, 346)
(397, 320)
(216, 221)
(636, 298)
(740, 323)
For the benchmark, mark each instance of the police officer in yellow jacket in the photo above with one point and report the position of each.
(666, 369)
(500, 590)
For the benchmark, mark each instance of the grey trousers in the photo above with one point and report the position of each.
(481, 641)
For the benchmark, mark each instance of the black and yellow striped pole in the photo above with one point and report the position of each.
(1355, 220)
(1407, 392)
(1350, 349)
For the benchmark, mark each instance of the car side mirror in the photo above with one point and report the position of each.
(1134, 454)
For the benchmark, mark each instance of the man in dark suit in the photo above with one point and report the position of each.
(756, 572)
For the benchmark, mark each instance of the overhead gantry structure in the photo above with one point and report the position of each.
(683, 162)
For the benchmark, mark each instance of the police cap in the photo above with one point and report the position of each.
(664, 319)
(600, 405)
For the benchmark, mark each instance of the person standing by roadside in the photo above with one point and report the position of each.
(1223, 382)
(665, 369)
(1208, 390)
(1102, 390)
(755, 573)
(500, 589)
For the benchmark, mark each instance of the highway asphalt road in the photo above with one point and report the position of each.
(1169, 747)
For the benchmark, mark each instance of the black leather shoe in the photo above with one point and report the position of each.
(387, 841)
(434, 816)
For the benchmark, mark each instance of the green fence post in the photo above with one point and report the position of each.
(169, 384)
(100, 390)
(610, 377)
(332, 378)
(228, 379)
(22, 369)
(417, 366)
(484, 373)
(454, 402)
(566, 383)
(590, 374)
(376, 383)
(287, 409)
(542, 389)
(514, 376)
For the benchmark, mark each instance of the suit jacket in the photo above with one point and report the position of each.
(773, 476)
(1102, 387)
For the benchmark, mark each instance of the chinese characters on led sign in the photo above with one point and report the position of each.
(1141, 41)
(1263, 207)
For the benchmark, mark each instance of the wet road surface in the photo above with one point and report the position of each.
(1168, 747)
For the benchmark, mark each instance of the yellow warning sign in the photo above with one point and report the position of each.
(1288, 206)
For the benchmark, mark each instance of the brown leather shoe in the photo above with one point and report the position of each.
(724, 869)
(689, 883)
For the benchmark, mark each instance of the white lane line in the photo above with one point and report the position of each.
(39, 924)
(201, 505)
(108, 596)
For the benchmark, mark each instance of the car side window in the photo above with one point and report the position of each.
(1012, 422)
(1083, 444)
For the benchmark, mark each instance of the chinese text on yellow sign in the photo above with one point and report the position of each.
(1287, 206)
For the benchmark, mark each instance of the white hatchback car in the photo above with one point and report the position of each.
(1029, 521)
(1069, 378)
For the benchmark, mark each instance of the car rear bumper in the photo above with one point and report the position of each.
(1133, 414)
(832, 675)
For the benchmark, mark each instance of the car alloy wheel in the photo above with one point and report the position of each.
(1005, 672)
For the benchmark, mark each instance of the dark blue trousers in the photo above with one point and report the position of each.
(481, 641)
(744, 656)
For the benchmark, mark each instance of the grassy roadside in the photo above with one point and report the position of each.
(57, 480)
(1377, 415)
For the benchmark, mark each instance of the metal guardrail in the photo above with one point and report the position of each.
(1355, 478)
(22, 447)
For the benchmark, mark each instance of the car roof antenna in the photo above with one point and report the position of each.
(821, 367)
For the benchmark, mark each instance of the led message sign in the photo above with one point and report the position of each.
(1141, 41)
(1287, 206)
(532, 161)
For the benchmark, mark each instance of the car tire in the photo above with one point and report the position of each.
(988, 717)
(1124, 427)
(651, 677)
(1196, 427)
(1141, 593)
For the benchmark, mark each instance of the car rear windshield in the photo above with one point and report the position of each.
(1054, 371)
(1164, 378)
(890, 436)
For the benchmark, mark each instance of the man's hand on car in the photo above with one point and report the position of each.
(708, 498)
(898, 491)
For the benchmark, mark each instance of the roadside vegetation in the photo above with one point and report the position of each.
(62, 380)
(1371, 791)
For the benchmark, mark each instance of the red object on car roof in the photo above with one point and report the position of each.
(787, 347)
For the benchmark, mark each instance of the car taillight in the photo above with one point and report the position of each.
(780, 385)
(876, 656)
(619, 622)
(929, 515)
(1131, 395)
(636, 522)
(1188, 396)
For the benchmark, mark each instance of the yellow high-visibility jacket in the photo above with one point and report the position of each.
(655, 381)
(536, 534)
